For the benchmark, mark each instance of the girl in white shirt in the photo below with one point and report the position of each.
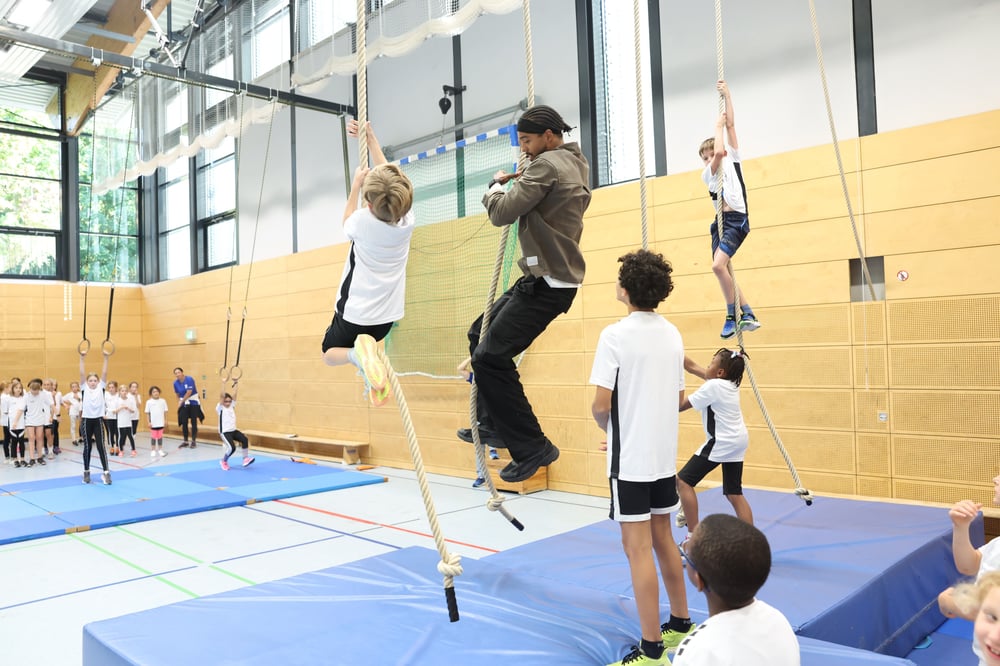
(92, 407)
(718, 400)
(5, 422)
(226, 409)
(111, 417)
(15, 406)
(37, 414)
(156, 414)
(72, 401)
(125, 412)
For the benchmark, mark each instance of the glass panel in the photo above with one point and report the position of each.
(616, 73)
(175, 209)
(28, 255)
(106, 258)
(30, 203)
(26, 103)
(30, 156)
(175, 254)
(217, 189)
(113, 212)
(221, 243)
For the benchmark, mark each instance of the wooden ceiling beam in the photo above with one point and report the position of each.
(84, 92)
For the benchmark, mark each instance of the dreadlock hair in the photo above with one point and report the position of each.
(645, 276)
(732, 362)
(540, 118)
(388, 192)
(732, 557)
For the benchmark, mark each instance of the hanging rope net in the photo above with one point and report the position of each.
(453, 241)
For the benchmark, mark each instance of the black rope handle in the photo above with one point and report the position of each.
(108, 347)
(84, 345)
(224, 373)
(236, 372)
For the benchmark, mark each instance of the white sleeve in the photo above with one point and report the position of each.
(704, 396)
(606, 363)
(352, 225)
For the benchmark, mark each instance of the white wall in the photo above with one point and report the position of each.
(770, 65)
(935, 60)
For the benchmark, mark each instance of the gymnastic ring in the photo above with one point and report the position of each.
(224, 373)
(108, 347)
(84, 347)
(236, 373)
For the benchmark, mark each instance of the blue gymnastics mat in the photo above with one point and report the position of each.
(855, 573)
(950, 644)
(390, 609)
(34, 509)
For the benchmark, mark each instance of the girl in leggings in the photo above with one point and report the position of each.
(92, 417)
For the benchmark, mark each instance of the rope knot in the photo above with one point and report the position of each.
(494, 503)
(451, 568)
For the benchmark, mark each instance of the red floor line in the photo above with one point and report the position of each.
(390, 527)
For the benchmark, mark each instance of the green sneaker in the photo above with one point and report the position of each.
(639, 658)
(671, 639)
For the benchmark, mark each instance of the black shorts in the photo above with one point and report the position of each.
(342, 333)
(735, 228)
(698, 467)
(634, 501)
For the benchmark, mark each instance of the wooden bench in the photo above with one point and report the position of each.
(346, 451)
(540, 481)
(341, 450)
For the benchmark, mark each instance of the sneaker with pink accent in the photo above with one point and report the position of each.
(224, 465)
(248, 460)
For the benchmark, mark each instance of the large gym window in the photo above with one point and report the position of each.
(614, 78)
(31, 165)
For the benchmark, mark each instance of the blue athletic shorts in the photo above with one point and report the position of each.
(735, 228)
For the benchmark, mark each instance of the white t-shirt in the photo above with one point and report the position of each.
(733, 188)
(373, 285)
(755, 635)
(16, 415)
(130, 412)
(74, 403)
(110, 405)
(227, 416)
(4, 409)
(92, 401)
(156, 408)
(37, 408)
(57, 406)
(641, 360)
(727, 439)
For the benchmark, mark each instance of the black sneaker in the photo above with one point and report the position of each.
(194, 445)
(522, 470)
(184, 445)
(86, 476)
(486, 436)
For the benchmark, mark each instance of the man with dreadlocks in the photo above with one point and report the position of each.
(547, 200)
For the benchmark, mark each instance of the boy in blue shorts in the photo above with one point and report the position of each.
(735, 222)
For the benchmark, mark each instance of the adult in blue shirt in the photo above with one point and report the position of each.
(188, 407)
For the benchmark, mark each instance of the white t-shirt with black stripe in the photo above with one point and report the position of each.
(640, 359)
(726, 435)
(373, 285)
(734, 190)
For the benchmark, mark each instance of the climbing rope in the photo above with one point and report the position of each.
(836, 150)
(640, 122)
(235, 372)
(799, 489)
(451, 563)
(360, 39)
(495, 501)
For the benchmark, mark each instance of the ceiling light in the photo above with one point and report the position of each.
(27, 13)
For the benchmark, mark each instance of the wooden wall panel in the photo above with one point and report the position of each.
(889, 399)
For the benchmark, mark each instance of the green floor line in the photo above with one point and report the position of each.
(185, 555)
(135, 566)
